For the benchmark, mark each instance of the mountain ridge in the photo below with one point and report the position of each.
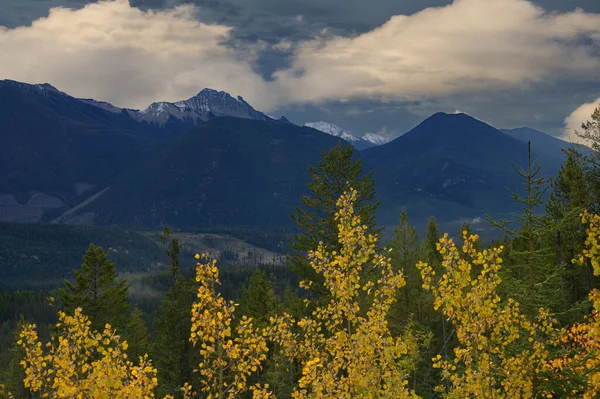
(453, 166)
(63, 154)
(360, 143)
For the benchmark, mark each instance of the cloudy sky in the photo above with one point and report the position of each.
(377, 66)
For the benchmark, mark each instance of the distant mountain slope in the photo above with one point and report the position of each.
(227, 171)
(38, 255)
(451, 166)
(376, 139)
(540, 141)
(55, 149)
(336, 131)
(87, 162)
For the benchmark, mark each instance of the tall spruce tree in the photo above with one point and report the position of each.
(98, 290)
(531, 274)
(429, 245)
(315, 218)
(438, 323)
(258, 299)
(172, 351)
(138, 336)
(590, 131)
(571, 195)
(404, 253)
(13, 375)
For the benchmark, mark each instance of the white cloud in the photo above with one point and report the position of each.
(114, 52)
(470, 45)
(573, 122)
(118, 53)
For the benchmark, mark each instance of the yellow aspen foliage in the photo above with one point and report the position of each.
(81, 363)
(346, 351)
(500, 351)
(578, 365)
(228, 356)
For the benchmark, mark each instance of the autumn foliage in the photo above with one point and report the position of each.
(229, 355)
(344, 347)
(81, 363)
(500, 351)
(578, 364)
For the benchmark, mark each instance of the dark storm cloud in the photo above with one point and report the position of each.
(253, 19)
(272, 20)
(569, 5)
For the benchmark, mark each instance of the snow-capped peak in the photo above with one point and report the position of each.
(376, 139)
(333, 130)
(207, 104)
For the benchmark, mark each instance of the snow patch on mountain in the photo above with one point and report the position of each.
(376, 139)
(360, 143)
(205, 105)
(333, 130)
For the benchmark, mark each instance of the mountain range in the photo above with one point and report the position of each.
(214, 160)
(360, 143)
(205, 105)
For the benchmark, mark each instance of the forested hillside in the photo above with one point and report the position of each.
(346, 315)
(83, 162)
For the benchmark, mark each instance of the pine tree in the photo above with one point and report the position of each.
(413, 310)
(336, 172)
(571, 196)
(292, 302)
(258, 299)
(429, 244)
(172, 349)
(403, 251)
(530, 273)
(12, 377)
(98, 291)
(138, 336)
(590, 130)
(430, 254)
(281, 373)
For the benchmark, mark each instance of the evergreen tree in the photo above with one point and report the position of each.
(98, 291)
(404, 254)
(531, 274)
(138, 336)
(172, 349)
(429, 244)
(292, 302)
(258, 299)
(441, 329)
(335, 174)
(590, 131)
(413, 310)
(571, 195)
(12, 377)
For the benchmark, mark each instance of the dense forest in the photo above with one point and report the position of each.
(343, 315)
